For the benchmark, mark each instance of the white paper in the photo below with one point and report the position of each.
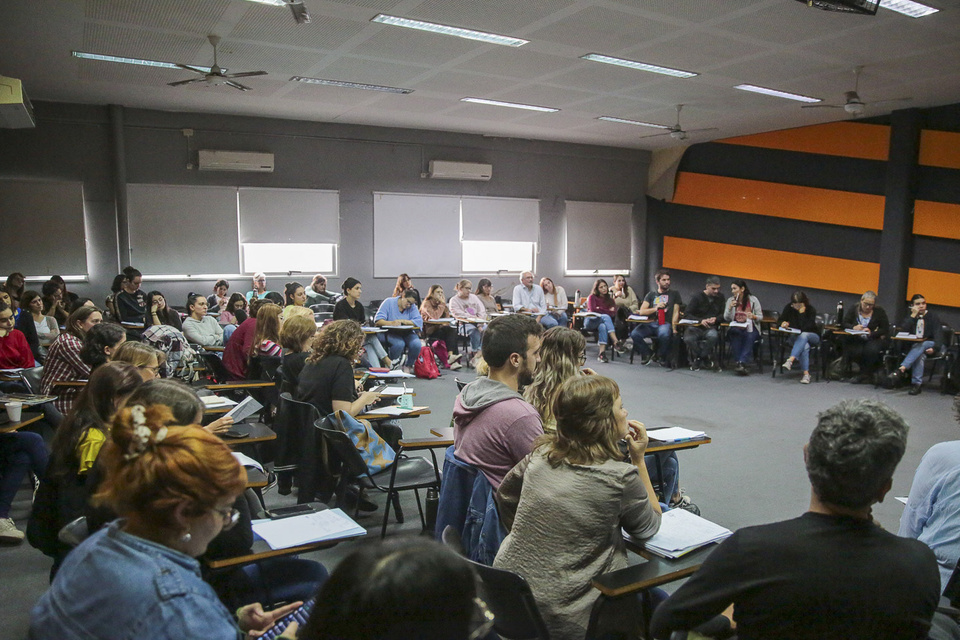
(245, 409)
(742, 325)
(901, 499)
(368, 329)
(904, 334)
(587, 314)
(689, 321)
(391, 374)
(247, 461)
(681, 532)
(393, 411)
(854, 332)
(638, 317)
(674, 434)
(308, 528)
(212, 402)
(788, 330)
(395, 391)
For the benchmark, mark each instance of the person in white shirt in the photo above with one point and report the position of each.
(557, 302)
(529, 297)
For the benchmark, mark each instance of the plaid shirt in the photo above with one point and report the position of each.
(63, 364)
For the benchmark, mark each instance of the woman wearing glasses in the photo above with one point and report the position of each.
(174, 488)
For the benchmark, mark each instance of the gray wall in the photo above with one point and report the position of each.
(74, 142)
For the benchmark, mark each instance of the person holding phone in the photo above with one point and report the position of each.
(925, 325)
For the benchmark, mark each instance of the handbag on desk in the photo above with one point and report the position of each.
(376, 453)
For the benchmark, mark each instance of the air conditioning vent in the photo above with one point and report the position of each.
(234, 161)
(446, 170)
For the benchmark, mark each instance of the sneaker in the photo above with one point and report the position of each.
(456, 366)
(706, 363)
(646, 359)
(695, 365)
(692, 508)
(453, 357)
(741, 370)
(603, 358)
(36, 487)
(9, 531)
(787, 364)
(915, 390)
(805, 379)
(620, 348)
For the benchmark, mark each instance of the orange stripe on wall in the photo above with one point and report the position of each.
(938, 287)
(937, 219)
(940, 149)
(848, 139)
(780, 200)
(767, 265)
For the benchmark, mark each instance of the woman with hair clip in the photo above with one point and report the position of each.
(159, 312)
(742, 307)
(601, 302)
(800, 314)
(296, 335)
(575, 480)
(349, 308)
(294, 295)
(404, 283)
(174, 488)
(101, 342)
(198, 327)
(435, 308)
(556, 301)
(63, 363)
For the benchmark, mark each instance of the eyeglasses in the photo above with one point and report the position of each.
(230, 517)
(155, 370)
(583, 359)
(483, 620)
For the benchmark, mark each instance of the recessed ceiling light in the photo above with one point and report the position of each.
(776, 94)
(350, 85)
(145, 63)
(641, 66)
(512, 105)
(636, 122)
(908, 8)
(469, 34)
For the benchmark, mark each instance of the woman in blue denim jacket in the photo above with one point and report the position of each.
(139, 578)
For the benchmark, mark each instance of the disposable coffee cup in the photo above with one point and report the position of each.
(13, 411)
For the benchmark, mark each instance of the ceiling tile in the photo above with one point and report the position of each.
(602, 30)
(246, 56)
(139, 43)
(275, 25)
(460, 84)
(179, 15)
(712, 48)
(515, 63)
(695, 11)
(504, 17)
(788, 23)
(543, 95)
(353, 69)
(416, 47)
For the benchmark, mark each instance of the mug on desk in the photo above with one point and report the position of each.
(405, 401)
(14, 410)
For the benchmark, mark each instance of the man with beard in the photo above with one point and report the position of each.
(494, 427)
(701, 339)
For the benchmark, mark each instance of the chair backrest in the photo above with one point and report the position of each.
(74, 532)
(215, 366)
(324, 307)
(509, 598)
(263, 367)
(31, 378)
(340, 442)
(287, 397)
(460, 384)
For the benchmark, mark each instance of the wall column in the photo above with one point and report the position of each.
(120, 184)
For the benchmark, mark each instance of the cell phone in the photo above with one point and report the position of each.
(379, 388)
(364, 378)
(289, 512)
(235, 433)
(300, 616)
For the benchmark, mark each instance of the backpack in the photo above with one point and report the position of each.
(181, 357)
(440, 350)
(426, 365)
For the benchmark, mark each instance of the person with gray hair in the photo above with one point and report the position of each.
(832, 572)
(865, 348)
(701, 339)
(528, 297)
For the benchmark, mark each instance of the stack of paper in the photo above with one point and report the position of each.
(587, 314)
(788, 330)
(331, 524)
(904, 334)
(391, 374)
(638, 318)
(212, 402)
(394, 410)
(395, 391)
(247, 461)
(674, 434)
(682, 532)
(854, 332)
(689, 321)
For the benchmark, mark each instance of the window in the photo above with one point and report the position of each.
(289, 257)
(499, 234)
(491, 256)
(599, 238)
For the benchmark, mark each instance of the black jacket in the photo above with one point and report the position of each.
(879, 326)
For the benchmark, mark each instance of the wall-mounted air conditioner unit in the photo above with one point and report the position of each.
(234, 161)
(446, 170)
(16, 112)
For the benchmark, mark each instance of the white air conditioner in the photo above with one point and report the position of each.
(234, 161)
(446, 170)
(16, 112)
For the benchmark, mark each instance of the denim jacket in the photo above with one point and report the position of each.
(119, 586)
(467, 503)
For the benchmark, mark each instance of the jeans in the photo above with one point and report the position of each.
(670, 482)
(741, 343)
(475, 336)
(448, 335)
(375, 351)
(915, 359)
(603, 324)
(554, 319)
(397, 341)
(228, 330)
(20, 452)
(662, 333)
(801, 348)
(700, 341)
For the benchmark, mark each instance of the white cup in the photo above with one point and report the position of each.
(13, 411)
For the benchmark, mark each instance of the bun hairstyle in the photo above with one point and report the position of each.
(152, 468)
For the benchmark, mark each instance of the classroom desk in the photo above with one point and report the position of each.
(373, 415)
(416, 444)
(70, 383)
(213, 349)
(241, 384)
(257, 432)
(655, 446)
(256, 479)
(25, 419)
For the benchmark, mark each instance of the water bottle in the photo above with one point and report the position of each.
(430, 515)
(576, 300)
(840, 312)
(920, 327)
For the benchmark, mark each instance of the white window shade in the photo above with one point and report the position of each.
(181, 229)
(500, 219)
(598, 237)
(416, 234)
(43, 228)
(289, 216)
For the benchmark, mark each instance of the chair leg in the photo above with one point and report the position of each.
(386, 516)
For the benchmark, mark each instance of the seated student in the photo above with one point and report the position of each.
(148, 360)
(69, 298)
(701, 339)
(434, 307)
(101, 342)
(528, 297)
(81, 302)
(236, 350)
(110, 302)
(742, 307)
(131, 301)
(494, 427)
(63, 363)
(403, 284)
(14, 286)
(832, 572)
(267, 335)
(217, 301)
(800, 314)
(259, 287)
(21, 453)
(600, 301)
(294, 295)
(924, 324)
(174, 488)
(52, 295)
(15, 352)
(235, 311)
(401, 311)
(576, 481)
(296, 336)
(485, 295)
(866, 350)
(198, 327)
(467, 306)
(64, 490)
(557, 301)
(428, 590)
(661, 305)
(159, 312)
(318, 293)
(349, 308)
(627, 304)
(45, 328)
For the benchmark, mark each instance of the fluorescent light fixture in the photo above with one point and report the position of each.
(776, 94)
(908, 8)
(640, 66)
(145, 63)
(469, 34)
(636, 122)
(350, 85)
(512, 105)
(273, 3)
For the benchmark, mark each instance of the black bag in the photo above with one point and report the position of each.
(835, 369)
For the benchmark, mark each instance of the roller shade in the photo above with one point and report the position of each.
(289, 215)
(416, 234)
(598, 236)
(43, 228)
(503, 219)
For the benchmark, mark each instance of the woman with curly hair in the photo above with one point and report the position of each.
(562, 354)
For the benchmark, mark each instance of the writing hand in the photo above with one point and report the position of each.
(369, 397)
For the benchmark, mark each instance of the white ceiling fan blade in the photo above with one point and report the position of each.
(245, 74)
(236, 85)
(822, 106)
(299, 12)
(654, 135)
(183, 82)
(189, 68)
(700, 130)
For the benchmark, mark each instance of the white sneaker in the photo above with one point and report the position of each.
(805, 379)
(9, 531)
(456, 366)
(788, 364)
(453, 357)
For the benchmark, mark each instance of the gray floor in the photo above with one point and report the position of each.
(751, 473)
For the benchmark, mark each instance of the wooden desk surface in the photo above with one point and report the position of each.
(443, 432)
(70, 383)
(240, 384)
(214, 349)
(655, 446)
(907, 339)
(256, 479)
(653, 572)
(258, 432)
(25, 419)
(413, 444)
(373, 415)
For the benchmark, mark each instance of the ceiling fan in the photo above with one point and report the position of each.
(676, 131)
(296, 7)
(852, 103)
(216, 75)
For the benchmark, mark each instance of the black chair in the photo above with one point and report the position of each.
(816, 354)
(404, 474)
(215, 367)
(507, 595)
(460, 384)
(31, 378)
